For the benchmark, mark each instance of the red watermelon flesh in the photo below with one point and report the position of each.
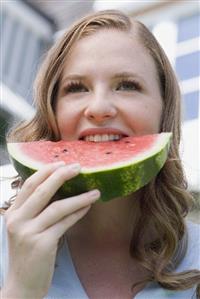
(87, 153)
(117, 168)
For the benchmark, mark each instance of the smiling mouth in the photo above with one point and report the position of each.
(102, 137)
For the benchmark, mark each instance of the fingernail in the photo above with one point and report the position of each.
(94, 194)
(75, 167)
(59, 163)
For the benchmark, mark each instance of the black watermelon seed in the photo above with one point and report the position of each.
(56, 156)
(127, 141)
(65, 150)
(107, 153)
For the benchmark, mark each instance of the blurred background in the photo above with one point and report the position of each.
(29, 27)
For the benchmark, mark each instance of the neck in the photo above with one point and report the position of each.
(108, 222)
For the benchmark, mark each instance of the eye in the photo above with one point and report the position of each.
(128, 85)
(75, 87)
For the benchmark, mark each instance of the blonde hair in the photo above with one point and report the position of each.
(165, 201)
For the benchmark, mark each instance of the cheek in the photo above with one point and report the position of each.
(158, 112)
(146, 118)
(153, 112)
(66, 119)
(152, 121)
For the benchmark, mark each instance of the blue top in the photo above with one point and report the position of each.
(67, 285)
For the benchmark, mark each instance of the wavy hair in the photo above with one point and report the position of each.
(165, 201)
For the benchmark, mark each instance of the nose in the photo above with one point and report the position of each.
(100, 109)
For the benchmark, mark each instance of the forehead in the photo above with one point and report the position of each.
(111, 50)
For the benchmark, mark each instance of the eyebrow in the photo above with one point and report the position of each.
(127, 74)
(73, 77)
(116, 76)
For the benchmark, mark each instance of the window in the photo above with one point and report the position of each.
(187, 66)
(187, 63)
(191, 105)
(188, 27)
(25, 36)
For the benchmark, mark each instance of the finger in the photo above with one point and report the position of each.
(57, 230)
(33, 181)
(60, 209)
(44, 192)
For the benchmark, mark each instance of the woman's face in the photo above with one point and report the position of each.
(109, 88)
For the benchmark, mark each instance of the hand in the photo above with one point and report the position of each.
(34, 229)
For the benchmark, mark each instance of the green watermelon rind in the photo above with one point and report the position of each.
(115, 182)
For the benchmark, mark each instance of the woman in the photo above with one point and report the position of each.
(106, 75)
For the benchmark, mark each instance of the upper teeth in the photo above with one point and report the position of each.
(104, 137)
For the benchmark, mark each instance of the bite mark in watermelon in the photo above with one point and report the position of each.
(116, 168)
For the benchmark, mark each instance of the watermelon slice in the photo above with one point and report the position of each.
(116, 168)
